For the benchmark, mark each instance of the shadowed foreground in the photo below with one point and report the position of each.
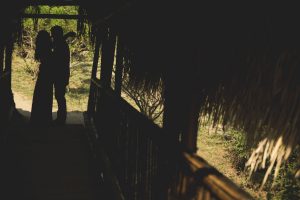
(48, 163)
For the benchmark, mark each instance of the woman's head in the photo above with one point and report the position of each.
(42, 45)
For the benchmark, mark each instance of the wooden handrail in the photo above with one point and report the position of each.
(217, 183)
(157, 134)
(124, 104)
(191, 165)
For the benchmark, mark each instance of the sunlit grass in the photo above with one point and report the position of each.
(77, 92)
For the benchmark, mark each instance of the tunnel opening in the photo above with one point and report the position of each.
(25, 68)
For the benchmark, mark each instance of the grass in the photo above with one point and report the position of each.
(216, 148)
(23, 82)
(228, 152)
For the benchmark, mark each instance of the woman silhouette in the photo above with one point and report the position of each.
(41, 112)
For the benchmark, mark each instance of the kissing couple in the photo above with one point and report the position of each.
(53, 54)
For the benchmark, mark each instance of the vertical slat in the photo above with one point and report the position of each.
(91, 101)
(98, 106)
(200, 193)
(121, 150)
(131, 161)
(143, 164)
(156, 173)
(151, 192)
(179, 184)
(203, 194)
(1, 59)
(147, 175)
(207, 195)
(119, 67)
(127, 163)
(136, 167)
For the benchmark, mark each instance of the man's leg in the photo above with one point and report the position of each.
(60, 91)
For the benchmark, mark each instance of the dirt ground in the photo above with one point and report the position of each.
(23, 104)
(213, 150)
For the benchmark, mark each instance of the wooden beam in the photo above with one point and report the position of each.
(54, 3)
(52, 16)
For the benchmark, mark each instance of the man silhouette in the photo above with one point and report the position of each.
(61, 62)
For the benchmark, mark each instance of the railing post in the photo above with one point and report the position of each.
(107, 119)
(119, 67)
(190, 130)
(170, 118)
(91, 102)
(172, 130)
(96, 56)
(107, 59)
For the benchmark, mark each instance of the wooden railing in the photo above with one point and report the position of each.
(196, 179)
(145, 163)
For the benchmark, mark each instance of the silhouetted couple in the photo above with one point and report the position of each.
(54, 56)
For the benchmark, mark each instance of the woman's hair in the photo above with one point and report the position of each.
(42, 45)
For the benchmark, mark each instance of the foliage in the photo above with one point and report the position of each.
(285, 186)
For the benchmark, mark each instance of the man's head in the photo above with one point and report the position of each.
(57, 32)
